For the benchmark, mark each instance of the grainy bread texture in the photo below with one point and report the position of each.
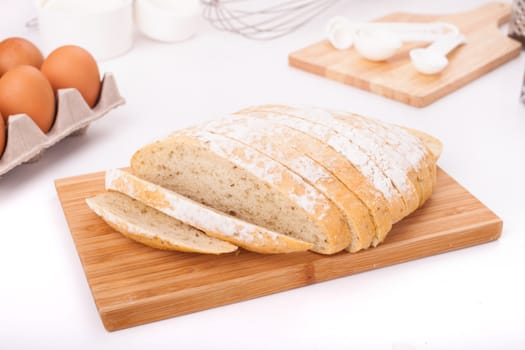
(211, 221)
(148, 226)
(284, 145)
(236, 179)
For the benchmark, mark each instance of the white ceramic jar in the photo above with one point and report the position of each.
(103, 27)
(168, 20)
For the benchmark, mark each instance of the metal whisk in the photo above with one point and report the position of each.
(272, 20)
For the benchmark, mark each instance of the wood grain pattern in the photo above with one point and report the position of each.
(487, 48)
(133, 284)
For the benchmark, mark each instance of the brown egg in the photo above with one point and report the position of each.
(73, 67)
(18, 51)
(3, 136)
(25, 89)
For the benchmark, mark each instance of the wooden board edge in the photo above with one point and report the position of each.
(319, 270)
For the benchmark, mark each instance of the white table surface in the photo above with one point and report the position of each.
(468, 299)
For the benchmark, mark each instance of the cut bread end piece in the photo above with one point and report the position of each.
(150, 227)
(214, 223)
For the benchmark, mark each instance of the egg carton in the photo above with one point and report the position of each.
(25, 140)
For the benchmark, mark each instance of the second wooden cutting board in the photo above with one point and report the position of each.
(487, 48)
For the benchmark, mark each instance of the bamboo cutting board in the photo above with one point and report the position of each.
(487, 48)
(133, 284)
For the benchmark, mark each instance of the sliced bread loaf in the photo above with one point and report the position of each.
(283, 144)
(148, 226)
(212, 222)
(236, 179)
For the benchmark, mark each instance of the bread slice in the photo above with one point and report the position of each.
(284, 145)
(231, 177)
(212, 222)
(148, 226)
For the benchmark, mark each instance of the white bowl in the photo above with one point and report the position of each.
(103, 27)
(168, 20)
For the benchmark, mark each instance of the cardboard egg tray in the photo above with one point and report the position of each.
(25, 140)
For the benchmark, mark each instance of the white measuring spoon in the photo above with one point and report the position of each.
(432, 28)
(381, 43)
(433, 59)
(342, 33)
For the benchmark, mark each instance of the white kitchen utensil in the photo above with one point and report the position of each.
(166, 20)
(381, 43)
(433, 59)
(103, 27)
(342, 34)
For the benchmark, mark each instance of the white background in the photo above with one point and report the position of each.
(469, 299)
